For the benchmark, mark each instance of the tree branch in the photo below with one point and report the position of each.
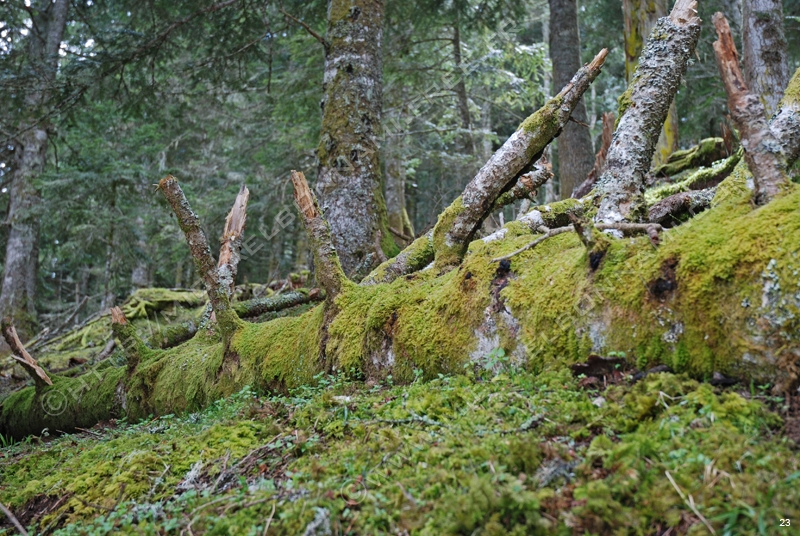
(761, 149)
(307, 28)
(21, 356)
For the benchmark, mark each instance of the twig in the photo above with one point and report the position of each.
(21, 355)
(307, 28)
(549, 234)
(690, 503)
(269, 521)
(13, 519)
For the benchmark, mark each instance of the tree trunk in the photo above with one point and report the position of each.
(349, 179)
(766, 67)
(18, 295)
(574, 146)
(640, 17)
(460, 88)
(399, 222)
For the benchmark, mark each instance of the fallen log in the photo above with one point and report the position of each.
(704, 153)
(643, 109)
(676, 208)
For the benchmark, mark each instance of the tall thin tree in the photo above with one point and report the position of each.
(18, 294)
(575, 159)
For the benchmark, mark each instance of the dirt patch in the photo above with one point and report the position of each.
(664, 287)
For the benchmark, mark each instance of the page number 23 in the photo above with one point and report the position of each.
(786, 522)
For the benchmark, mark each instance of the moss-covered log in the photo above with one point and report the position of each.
(704, 153)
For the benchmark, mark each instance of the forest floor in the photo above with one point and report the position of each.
(496, 450)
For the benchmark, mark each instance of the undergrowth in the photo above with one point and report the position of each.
(494, 451)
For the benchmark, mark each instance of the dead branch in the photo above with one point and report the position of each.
(674, 209)
(14, 521)
(643, 109)
(229, 252)
(459, 223)
(307, 28)
(329, 271)
(131, 343)
(761, 149)
(21, 356)
(217, 288)
(628, 229)
(705, 153)
(526, 186)
(599, 159)
(259, 306)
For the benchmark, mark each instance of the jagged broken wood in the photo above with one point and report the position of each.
(643, 109)
(328, 269)
(458, 224)
(216, 280)
(762, 151)
(21, 356)
(229, 252)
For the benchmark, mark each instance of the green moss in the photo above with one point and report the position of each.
(446, 254)
(696, 180)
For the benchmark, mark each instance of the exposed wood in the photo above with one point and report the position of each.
(328, 270)
(229, 252)
(761, 148)
(459, 223)
(217, 288)
(674, 209)
(644, 107)
(21, 356)
(599, 159)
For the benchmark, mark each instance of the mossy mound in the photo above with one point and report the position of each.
(504, 452)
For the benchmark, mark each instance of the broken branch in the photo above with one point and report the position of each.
(21, 356)
(458, 224)
(229, 252)
(761, 149)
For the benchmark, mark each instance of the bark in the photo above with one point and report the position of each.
(762, 151)
(526, 187)
(21, 356)
(675, 209)
(599, 159)
(574, 146)
(349, 180)
(413, 258)
(458, 224)
(640, 17)
(644, 107)
(132, 344)
(18, 294)
(217, 280)
(764, 47)
(259, 306)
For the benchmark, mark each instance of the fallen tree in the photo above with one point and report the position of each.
(727, 271)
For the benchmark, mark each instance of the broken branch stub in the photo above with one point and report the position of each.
(229, 251)
(131, 343)
(21, 356)
(762, 151)
(218, 290)
(328, 269)
(643, 109)
(458, 224)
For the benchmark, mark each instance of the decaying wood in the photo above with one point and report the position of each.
(599, 159)
(229, 252)
(644, 107)
(761, 149)
(218, 288)
(328, 271)
(21, 356)
(458, 225)
(704, 153)
(672, 210)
